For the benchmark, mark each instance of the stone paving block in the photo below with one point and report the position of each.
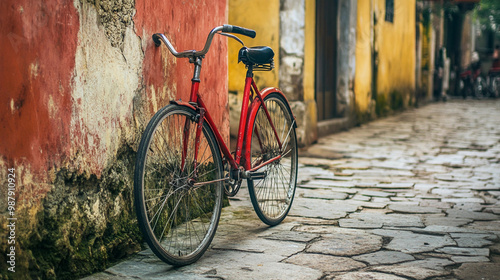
(473, 240)
(452, 178)
(360, 197)
(476, 216)
(418, 273)
(444, 229)
(360, 224)
(436, 204)
(327, 229)
(463, 200)
(365, 184)
(473, 207)
(425, 188)
(325, 263)
(431, 263)
(346, 244)
(366, 275)
(261, 245)
(330, 183)
(325, 194)
(395, 185)
(443, 192)
(408, 242)
(465, 251)
(243, 265)
(396, 165)
(295, 236)
(381, 200)
(360, 165)
(384, 257)
(478, 271)
(490, 188)
(367, 204)
(486, 226)
(377, 193)
(390, 220)
(318, 208)
(475, 259)
(414, 209)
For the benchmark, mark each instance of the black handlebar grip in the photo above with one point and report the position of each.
(238, 30)
(156, 39)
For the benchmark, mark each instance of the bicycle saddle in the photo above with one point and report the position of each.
(256, 55)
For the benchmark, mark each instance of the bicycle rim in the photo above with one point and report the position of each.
(273, 195)
(178, 219)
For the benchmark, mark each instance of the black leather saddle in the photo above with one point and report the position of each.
(256, 55)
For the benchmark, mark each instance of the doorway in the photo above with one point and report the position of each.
(326, 58)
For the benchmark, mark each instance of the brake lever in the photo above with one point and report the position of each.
(232, 36)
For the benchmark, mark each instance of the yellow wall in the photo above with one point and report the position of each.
(310, 51)
(363, 74)
(395, 43)
(263, 17)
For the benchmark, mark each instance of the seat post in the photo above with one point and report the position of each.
(250, 70)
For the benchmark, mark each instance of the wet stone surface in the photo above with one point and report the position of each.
(413, 196)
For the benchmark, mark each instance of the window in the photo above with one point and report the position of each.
(389, 10)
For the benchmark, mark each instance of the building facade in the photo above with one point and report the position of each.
(340, 63)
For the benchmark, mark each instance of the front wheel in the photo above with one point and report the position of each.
(178, 197)
(272, 194)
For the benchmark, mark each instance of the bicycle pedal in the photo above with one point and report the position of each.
(258, 175)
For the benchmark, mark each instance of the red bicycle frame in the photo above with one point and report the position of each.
(252, 99)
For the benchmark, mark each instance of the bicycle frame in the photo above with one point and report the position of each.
(252, 99)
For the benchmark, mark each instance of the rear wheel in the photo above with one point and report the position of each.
(178, 212)
(272, 194)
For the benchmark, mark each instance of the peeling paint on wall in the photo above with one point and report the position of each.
(103, 96)
(80, 81)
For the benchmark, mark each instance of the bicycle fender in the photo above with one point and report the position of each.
(252, 113)
(183, 103)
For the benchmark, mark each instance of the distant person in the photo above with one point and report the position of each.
(496, 57)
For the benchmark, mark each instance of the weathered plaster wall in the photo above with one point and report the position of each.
(79, 82)
(385, 58)
(395, 47)
(297, 50)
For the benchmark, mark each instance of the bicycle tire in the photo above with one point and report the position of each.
(177, 219)
(273, 195)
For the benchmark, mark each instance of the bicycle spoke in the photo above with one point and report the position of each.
(181, 217)
(272, 196)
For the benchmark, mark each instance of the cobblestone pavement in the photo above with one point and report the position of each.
(413, 196)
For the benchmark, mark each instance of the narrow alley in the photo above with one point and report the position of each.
(412, 196)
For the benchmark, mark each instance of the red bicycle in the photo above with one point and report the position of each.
(183, 167)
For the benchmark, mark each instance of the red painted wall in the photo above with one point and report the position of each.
(186, 23)
(37, 43)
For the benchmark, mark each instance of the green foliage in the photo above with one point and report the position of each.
(488, 14)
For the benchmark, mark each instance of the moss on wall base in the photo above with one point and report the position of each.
(83, 225)
(394, 101)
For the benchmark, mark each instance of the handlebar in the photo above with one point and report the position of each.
(159, 37)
